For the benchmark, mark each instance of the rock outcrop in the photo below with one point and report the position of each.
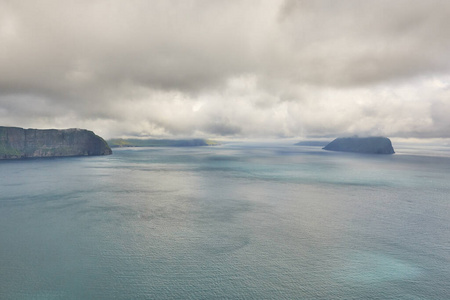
(373, 145)
(18, 143)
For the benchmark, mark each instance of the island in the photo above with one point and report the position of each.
(161, 143)
(372, 145)
(18, 143)
(312, 143)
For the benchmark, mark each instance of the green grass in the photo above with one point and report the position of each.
(212, 143)
(9, 151)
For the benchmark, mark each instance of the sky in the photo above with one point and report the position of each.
(227, 69)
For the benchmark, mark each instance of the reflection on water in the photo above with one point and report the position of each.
(372, 268)
(235, 221)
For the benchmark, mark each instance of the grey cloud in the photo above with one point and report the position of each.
(222, 128)
(247, 68)
(160, 44)
(363, 42)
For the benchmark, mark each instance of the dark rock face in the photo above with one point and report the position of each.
(28, 143)
(373, 145)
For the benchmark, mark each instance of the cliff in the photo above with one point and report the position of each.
(373, 145)
(29, 143)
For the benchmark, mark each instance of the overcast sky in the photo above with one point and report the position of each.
(258, 69)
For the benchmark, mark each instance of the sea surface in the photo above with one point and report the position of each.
(237, 221)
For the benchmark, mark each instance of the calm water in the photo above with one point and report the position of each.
(230, 222)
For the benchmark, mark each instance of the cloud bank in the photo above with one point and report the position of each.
(227, 68)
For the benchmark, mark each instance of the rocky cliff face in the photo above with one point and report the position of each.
(27, 143)
(373, 145)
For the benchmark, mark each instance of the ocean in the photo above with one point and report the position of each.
(237, 221)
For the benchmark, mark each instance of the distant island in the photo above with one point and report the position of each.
(311, 143)
(17, 143)
(372, 145)
(161, 143)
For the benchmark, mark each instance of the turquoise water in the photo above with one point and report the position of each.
(239, 221)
